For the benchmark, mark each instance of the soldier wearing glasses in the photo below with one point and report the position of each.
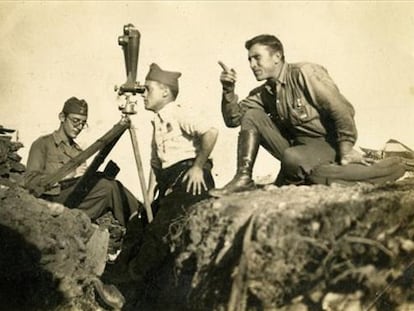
(50, 152)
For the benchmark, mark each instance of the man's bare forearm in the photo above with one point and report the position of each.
(208, 141)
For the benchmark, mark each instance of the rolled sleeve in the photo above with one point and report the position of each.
(193, 125)
(35, 168)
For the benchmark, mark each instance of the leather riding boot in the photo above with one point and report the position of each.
(247, 147)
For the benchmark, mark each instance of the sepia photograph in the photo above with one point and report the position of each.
(207, 155)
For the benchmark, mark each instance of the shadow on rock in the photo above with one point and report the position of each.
(24, 284)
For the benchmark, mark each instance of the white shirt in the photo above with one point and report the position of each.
(176, 135)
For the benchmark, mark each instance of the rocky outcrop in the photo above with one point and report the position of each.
(301, 248)
(10, 166)
(49, 255)
(307, 248)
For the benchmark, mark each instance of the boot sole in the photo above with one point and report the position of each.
(218, 193)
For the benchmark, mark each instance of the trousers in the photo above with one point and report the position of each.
(172, 204)
(106, 195)
(297, 156)
(314, 160)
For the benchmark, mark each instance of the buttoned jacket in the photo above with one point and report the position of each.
(48, 154)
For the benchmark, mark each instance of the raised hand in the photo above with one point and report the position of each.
(228, 77)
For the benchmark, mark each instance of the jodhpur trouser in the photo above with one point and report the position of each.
(106, 195)
(297, 158)
(313, 159)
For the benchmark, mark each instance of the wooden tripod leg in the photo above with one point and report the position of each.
(138, 161)
(86, 182)
(57, 176)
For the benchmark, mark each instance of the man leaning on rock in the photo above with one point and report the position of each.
(50, 152)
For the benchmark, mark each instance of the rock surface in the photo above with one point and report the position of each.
(309, 248)
(292, 248)
(45, 254)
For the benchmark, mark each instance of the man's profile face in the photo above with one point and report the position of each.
(73, 124)
(153, 96)
(263, 62)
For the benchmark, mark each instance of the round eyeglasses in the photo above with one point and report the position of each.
(78, 122)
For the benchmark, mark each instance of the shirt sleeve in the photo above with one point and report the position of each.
(192, 123)
(233, 111)
(327, 97)
(35, 164)
(230, 109)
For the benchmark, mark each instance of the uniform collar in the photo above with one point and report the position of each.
(283, 74)
(270, 84)
(59, 138)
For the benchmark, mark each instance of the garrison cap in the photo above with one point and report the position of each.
(75, 105)
(169, 78)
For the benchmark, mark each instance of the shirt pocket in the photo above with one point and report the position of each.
(57, 159)
(300, 111)
(172, 136)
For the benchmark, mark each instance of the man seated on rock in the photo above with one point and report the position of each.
(181, 168)
(300, 117)
(50, 152)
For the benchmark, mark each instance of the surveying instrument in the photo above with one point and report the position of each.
(130, 41)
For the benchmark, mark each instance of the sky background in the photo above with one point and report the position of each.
(51, 51)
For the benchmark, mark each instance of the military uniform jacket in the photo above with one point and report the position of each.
(48, 154)
(304, 101)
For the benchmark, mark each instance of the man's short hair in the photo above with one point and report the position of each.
(268, 40)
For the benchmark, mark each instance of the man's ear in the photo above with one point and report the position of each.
(166, 91)
(62, 117)
(277, 56)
